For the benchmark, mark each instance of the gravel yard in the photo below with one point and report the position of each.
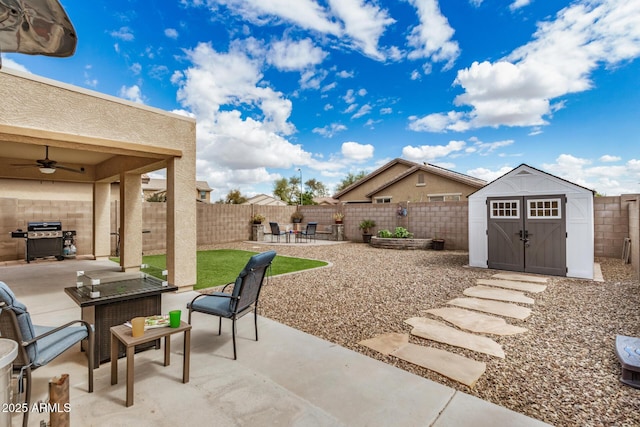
(564, 371)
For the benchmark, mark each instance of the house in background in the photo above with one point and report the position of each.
(264, 200)
(158, 187)
(404, 181)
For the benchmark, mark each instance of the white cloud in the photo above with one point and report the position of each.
(607, 180)
(10, 63)
(487, 174)
(124, 34)
(432, 38)
(386, 110)
(328, 87)
(523, 88)
(132, 93)
(415, 75)
(136, 68)
(439, 122)
(172, 33)
(364, 23)
(349, 97)
(517, 4)
(304, 13)
(358, 152)
(609, 158)
(429, 153)
(330, 130)
(486, 148)
(363, 111)
(290, 55)
(345, 74)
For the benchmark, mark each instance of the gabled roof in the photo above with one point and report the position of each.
(524, 166)
(264, 200)
(413, 167)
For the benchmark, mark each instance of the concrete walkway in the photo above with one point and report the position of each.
(288, 378)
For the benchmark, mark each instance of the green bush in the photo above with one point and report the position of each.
(386, 234)
(402, 233)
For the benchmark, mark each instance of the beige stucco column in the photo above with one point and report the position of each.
(130, 221)
(181, 222)
(101, 220)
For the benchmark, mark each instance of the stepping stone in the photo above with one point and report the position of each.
(386, 343)
(510, 284)
(453, 366)
(498, 294)
(476, 322)
(521, 277)
(493, 307)
(433, 330)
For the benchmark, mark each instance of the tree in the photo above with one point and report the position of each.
(350, 179)
(234, 197)
(157, 197)
(287, 190)
(316, 188)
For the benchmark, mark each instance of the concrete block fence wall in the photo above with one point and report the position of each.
(615, 218)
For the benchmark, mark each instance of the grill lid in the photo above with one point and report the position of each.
(44, 226)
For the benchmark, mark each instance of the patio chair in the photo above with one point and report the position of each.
(309, 233)
(243, 298)
(38, 345)
(275, 231)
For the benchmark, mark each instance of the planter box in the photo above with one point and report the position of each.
(393, 243)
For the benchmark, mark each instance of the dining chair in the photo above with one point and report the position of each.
(275, 231)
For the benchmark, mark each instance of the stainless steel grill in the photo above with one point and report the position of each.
(43, 239)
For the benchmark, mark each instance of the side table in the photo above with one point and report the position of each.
(122, 334)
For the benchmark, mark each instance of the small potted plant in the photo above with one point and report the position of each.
(366, 225)
(297, 217)
(338, 217)
(257, 218)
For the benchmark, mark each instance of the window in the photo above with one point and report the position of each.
(203, 195)
(383, 199)
(446, 197)
(505, 209)
(420, 180)
(544, 208)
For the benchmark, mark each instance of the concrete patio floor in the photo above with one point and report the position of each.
(288, 378)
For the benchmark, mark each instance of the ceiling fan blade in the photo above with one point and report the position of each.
(26, 165)
(66, 168)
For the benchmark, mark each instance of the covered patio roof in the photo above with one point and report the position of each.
(108, 139)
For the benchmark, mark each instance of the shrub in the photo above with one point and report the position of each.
(385, 234)
(402, 233)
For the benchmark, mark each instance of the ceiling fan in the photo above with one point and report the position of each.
(49, 166)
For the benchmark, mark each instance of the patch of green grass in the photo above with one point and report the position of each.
(221, 266)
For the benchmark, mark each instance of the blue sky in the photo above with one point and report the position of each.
(339, 86)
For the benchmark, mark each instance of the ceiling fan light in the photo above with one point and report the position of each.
(47, 170)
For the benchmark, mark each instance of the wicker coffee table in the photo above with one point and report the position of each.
(122, 296)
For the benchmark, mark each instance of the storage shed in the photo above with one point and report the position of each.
(534, 222)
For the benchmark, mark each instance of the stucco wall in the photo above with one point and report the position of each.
(616, 218)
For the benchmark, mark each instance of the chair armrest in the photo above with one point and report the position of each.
(59, 328)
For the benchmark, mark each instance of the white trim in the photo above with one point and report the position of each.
(511, 209)
(545, 209)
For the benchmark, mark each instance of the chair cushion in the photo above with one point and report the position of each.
(24, 319)
(57, 343)
(8, 297)
(213, 304)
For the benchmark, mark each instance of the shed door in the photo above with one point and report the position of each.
(527, 234)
